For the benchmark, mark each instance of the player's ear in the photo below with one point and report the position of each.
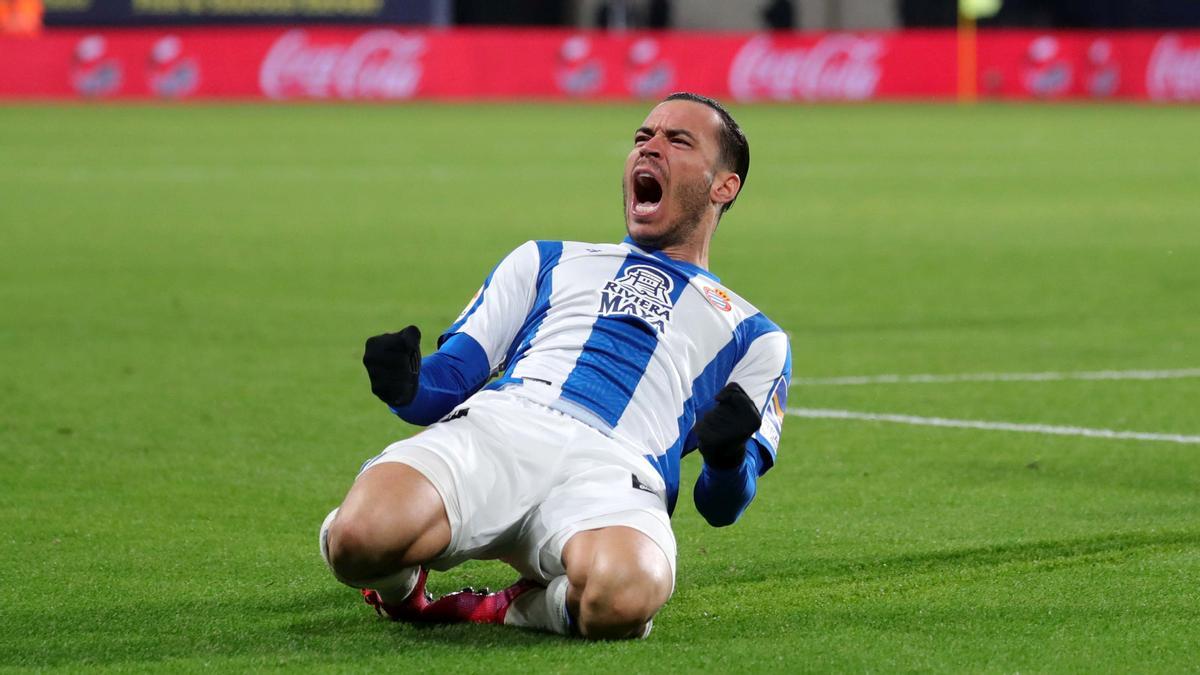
(725, 187)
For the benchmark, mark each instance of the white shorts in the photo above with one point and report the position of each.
(518, 480)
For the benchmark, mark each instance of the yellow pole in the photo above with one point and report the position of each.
(968, 69)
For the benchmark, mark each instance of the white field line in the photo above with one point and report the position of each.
(1178, 374)
(823, 413)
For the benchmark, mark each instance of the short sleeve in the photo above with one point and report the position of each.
(494, 316)
(765, 372)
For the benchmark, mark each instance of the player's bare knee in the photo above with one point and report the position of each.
(620, 596)
(608, 613)
(357, 552)
(619, 578)
(346, 549)
(392, 517)
(617, 612)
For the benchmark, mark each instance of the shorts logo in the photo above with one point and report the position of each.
(642, 292)
(718, 298)
(457, 414)
(639, 485)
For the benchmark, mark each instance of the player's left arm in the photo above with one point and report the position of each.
(422, 390)
(738, 436)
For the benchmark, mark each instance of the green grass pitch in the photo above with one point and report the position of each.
(184, 293)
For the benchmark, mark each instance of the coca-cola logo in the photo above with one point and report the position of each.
(1173, 73)
(378, 64)
(838, 67)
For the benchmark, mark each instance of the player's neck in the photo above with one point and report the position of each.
(693, 252)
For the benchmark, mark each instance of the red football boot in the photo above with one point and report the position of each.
(410, 609)
(470, 605)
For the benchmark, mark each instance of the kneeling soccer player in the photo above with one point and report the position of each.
(604, 364)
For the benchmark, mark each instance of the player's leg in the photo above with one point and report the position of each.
(618, 579)
(601, 542)
(606, 576)
(449, 494)
(376, 540)
(392, 518)
(615, 581)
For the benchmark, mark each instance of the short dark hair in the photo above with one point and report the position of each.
(735, 149)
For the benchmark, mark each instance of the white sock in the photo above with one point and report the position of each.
(542, 609)
(323, 541)
(393, 588)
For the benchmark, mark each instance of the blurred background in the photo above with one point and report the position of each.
(618, 14)
(607, 49)
(207, 205)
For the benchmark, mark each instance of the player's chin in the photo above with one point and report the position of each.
(647, 233)
(643, 225)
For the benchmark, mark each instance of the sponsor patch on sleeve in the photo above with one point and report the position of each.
(470, 304)
(772, 424)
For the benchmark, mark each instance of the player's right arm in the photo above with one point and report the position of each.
(422, 391)
(739, 435)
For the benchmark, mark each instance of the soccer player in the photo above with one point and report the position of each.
(560, 402)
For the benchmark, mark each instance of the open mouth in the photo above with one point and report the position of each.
(647, 193)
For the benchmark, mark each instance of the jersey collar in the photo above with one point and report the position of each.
(689, 268)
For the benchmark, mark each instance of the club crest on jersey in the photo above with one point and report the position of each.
(718, 298)
(641, 292)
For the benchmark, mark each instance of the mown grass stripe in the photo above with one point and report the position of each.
(850, 380)
(825, 413)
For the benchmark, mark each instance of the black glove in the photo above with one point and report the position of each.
(724, 430)
(393, 362)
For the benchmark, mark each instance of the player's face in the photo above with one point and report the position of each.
(669, 173)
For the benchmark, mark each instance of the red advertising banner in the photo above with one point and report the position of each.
(390, 64)
(1147, 66)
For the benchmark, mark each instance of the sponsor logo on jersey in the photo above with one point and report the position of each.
(772, 426)
(642, 292)
(718, 298)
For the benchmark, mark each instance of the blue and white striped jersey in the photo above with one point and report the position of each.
(627, 340)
